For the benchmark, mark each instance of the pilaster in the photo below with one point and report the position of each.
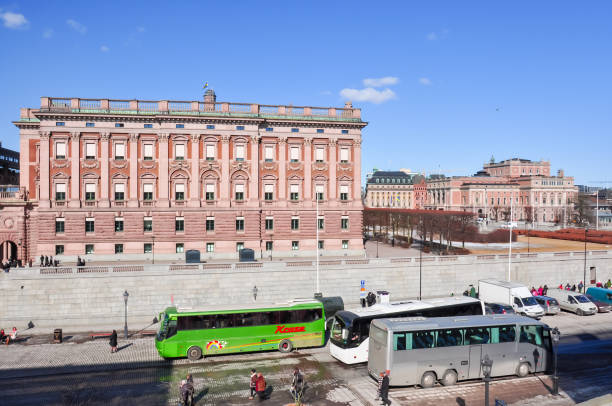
(163, 171)
(254, 187)
(357, 173)
(133, 200)
(225, 167)
(282, 170)
(104, 180)
(43, 199)
(195, 187)
(333, 182)
(75, 164)
(308, 172)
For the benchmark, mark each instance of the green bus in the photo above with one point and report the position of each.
(232, 329)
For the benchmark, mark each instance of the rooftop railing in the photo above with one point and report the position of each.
(197, 108)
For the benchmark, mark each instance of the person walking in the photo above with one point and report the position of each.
(540, 291)
(260, 386)
(472, 291)
(384, 389)
(186, 388)
(42, 261)
(573, 289)
(580, 286)
(253, 383)
(379, 386)
(297, 384)
(545, 290)
(113, 341)
(608, 284)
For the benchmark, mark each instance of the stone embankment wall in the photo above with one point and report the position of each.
(74, 298)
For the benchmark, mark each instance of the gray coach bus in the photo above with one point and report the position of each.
(422, 351)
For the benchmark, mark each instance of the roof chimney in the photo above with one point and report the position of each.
(560, 173)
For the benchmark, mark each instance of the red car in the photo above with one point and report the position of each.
(602, 307)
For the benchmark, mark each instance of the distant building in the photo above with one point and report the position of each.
(397, 189)
(9, 167)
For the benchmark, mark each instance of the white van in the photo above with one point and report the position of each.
(510, 293)
(573, 301)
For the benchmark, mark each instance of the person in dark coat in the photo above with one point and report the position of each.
(253, 383)
(42, 260)
(384, 389)
(545, 290)
(113, 341)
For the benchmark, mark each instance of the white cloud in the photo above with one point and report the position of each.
(425, 81)
(432, 36)
(140, 29)
(104, 48)
(75, 25)
(13, 20)
(48, 33)
(368, 94)
(380, 82)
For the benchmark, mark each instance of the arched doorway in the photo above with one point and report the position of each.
(8, 251)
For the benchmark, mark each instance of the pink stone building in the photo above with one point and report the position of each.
(131, 179)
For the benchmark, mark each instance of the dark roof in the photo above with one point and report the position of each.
(391, 175)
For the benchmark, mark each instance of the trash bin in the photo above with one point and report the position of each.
(57, 335)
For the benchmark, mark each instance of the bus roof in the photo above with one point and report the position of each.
(420, 323)
(407, 305)
(297, 303)
(505, 284)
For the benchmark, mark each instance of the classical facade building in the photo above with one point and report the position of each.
(524, 187)
(136, 178)
(399, 189)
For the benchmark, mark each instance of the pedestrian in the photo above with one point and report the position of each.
(384, 389)
(297, 384)
(608, 284)
(545, 290)
(580, 286)
(472, 291)
(253, 383)
(567, 286)
(540, 291)
(3, 337)
(379, 386)
(534, 292)
(371, 299)
(13, 335)
(113, 341)
(561, 286)
(573, 289)
(42, 259)
(260, 386)
(187, 391)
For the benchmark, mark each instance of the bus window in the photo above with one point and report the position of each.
(266, 318)
(399, 341)
(449, 338)
(477, 335)
(171, 328)
(532, 335)
(339, 331)
(423, 339)
(503, 334)
(246, 319)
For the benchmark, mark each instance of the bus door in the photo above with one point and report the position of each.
(502, 350)
(474, 361)
(535, 347)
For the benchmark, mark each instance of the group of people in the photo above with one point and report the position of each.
(573, 287)
(383, 388)
(259, 387)
(7, 338)
(541, 291)
(47, 261)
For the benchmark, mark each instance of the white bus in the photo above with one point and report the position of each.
(421, 351)
(348, 341)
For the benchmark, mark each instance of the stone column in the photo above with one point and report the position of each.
(254, 187)
(194, 188)
(163, 171)
(224, 187)
(133, 201)
(357, 173)
(282, 170)
(333, 183)
(104, 179)
(308, 172)
(43, 199)
(75, 163)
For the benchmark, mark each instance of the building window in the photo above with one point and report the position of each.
(118, 224)
(210, 126)
(239, 246)
(269, 153)
(295, 223)
(269, 245)
(319, 154)
(210, 192)
(295, 245)
(60, 191)
(59, 225)
(179, 224)
(343, 192)
(344, 131)
(344, 155)
(239, 192)
(148, 126)
(344, 244)
(148, 248)
(294, 195)
(179, 191)
(240, 127)
(118, 248)
(210, 224)
(90, 191)
(179, 152)
(148, 152)
(239, 152)
(269, 129)
(269, 223)
(320, 131)
(148, 224)
(344, 223)
(210, 247)
(180, 126)
(60, 150)
(210, 152)
(147, 193)
(294, 154)
(60, 123)
(119, 152)
(59, 249)
(90, 225)
(321, 244)
(89, 248)
(90, 124)
(239, 223)
(268, 192)
(180, 248)
(321, 222)
(319, 192)
(119, 191)
(118, 125)
(295, 130)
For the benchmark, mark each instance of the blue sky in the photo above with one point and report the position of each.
(457, 81)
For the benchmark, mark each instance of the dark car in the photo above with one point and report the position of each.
(602, 307)
(498, 308)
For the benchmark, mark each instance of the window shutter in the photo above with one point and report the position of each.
(210, 188)
(148, 188)
(344, 154)
(240, 151)
(90, 187)
(210, 151)
(319, 153)
(60, 148)
(268, 188)
(295, 152)
(119, 150)
(239, 188)
(120, 187)
(60, 187)
(179, 187)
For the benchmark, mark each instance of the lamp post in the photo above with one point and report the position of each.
(486, 363)
(125, 299)
(556, 335)
(255, 292)
(421, 263)
(586, 230)
(153, 248)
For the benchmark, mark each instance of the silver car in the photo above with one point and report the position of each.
(549, 304)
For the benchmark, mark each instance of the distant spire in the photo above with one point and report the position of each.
(492, 159)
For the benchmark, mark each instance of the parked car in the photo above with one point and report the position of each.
(498, 308)
(549, 304)
(602, 307)
(573, 301)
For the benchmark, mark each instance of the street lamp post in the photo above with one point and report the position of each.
(125, 300)
(153, 248)
(255, 290)
(556, 335)
(486, 363)
(421, 264)
(586, 230)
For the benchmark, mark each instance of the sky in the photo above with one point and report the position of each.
(443, 85)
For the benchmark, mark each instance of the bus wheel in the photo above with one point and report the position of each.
(428, 380)
(449, 378)
(522, 370)
(194, 353)
(285, 346)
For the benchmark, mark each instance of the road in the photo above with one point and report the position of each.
(87, 374)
